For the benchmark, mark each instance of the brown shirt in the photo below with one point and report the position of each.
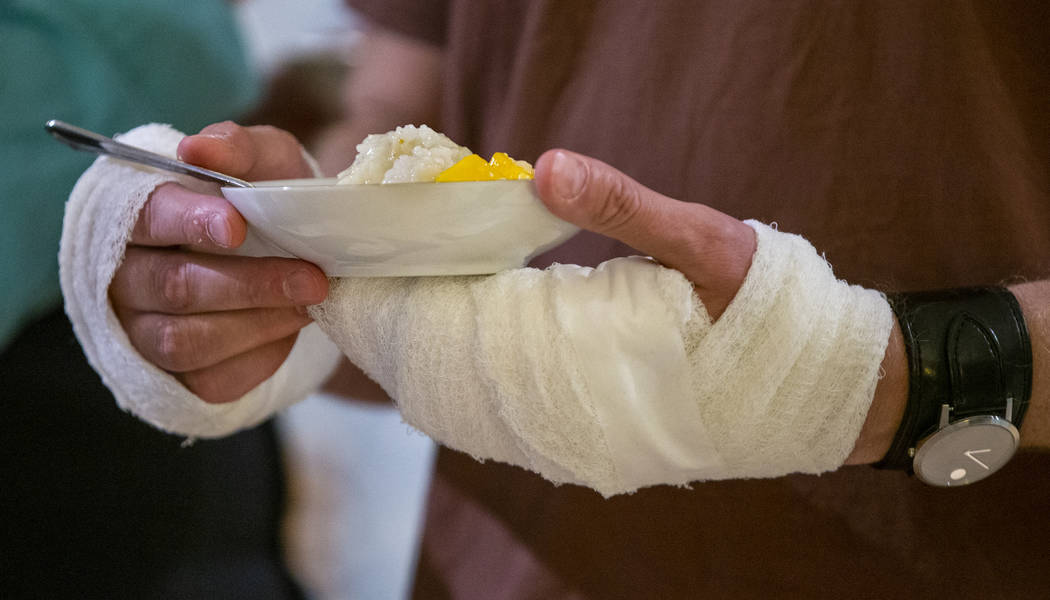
(907, 140)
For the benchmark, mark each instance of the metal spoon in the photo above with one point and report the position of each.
(89, 141)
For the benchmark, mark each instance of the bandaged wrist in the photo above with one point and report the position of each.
(614, 377)
(785, 377)
(100, 216)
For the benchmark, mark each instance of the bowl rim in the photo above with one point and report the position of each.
(329, 184)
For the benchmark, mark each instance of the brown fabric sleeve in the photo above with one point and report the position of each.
(424, 20)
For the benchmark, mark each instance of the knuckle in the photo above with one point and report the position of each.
(173, 346)
(172, 284)
(619, 203)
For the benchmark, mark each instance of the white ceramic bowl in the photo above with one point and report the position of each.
(402, 229)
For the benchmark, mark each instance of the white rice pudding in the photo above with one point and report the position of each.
(406, 154)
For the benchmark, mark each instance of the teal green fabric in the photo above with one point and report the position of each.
(107, 65)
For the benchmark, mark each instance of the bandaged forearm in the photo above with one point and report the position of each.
(100, 216)
(615, 377)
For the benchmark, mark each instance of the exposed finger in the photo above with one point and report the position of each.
(181, 282)
(252, 153)
(183, 343)
(176, 216)
(238, 375)
(597, 197)
(711, 248)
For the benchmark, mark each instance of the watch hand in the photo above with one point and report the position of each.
(970, 455)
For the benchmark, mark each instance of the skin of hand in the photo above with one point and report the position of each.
(221, 324)
(712, 249)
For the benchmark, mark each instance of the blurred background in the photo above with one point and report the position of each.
(96, 503)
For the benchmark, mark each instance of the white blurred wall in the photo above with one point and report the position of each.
(278, 30)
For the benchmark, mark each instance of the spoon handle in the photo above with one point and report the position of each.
(89, 141)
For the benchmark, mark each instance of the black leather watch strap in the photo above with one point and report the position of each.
(967, 348)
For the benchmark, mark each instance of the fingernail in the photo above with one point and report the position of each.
(220, 137)
(301, 288)
(219, 230)
(569, 175)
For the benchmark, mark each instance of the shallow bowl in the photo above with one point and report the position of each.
(402, 229)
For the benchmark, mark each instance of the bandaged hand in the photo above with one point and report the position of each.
(173, 323)
(732, 352)
(220, 323)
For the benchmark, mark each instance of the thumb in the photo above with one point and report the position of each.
(252, 153)
(712, 249)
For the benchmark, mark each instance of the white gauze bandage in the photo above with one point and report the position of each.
(614, 377)
(100, 215)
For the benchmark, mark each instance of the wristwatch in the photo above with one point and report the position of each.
(970, 379)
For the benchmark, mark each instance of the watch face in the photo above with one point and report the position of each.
(966, 451)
